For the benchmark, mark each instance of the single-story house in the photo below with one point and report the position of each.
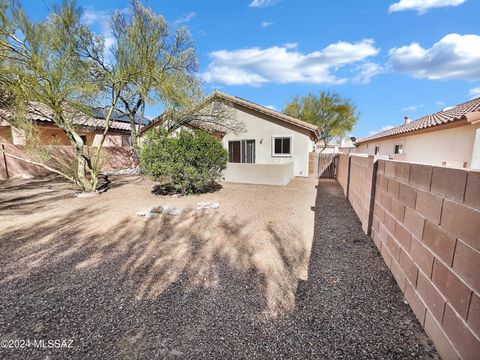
(450, 137)
(89, 127)
(272, 149)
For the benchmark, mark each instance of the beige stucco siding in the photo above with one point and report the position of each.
(434, 147)
(263, 128)
(268, 174)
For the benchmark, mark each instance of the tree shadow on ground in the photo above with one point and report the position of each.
(203, 285)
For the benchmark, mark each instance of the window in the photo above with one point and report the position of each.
(398, 149)
(377, 149)
(282, 146)
(84, 139)
(126, 140)
(241, 151)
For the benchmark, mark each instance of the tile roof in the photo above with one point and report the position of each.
(248, 104)
(450, 115)
(42, 113)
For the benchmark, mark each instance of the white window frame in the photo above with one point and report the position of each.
(282, 137)
(400, 147)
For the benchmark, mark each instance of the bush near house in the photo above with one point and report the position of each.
(189, 162)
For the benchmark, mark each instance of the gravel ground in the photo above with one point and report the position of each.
(214, 284)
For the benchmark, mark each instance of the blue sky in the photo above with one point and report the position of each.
(391, 58)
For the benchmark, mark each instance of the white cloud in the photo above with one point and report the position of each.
(422, 6)
(292, 45)
(453, 57)
(440, 103)
(384, 128)
(366, 72)
(185, 18)
(100, 20)
(263, 3)
(265, 24)
(283, 65)
(271, 107)
(474, 93)
(412, 108)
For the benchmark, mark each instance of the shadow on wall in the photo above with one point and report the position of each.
(197, 250)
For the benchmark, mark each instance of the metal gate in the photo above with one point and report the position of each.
(326, 166)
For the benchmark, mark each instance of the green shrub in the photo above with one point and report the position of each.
(189, 162)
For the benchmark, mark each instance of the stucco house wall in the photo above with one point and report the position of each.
(49, 135)
(434, 147)
(263, 128)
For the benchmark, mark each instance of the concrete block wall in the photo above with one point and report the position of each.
(360, 187)
(426, 226)
(342, 171)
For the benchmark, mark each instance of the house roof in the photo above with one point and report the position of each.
(459, 112)
(117, 115)
(42, 113)
(253, 106)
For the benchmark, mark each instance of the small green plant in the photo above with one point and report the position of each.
(188, 162)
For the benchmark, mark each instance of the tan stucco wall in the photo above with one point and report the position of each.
(262, 129)
(5, 134)
(110, 140)
(267, 174)
(453, 145)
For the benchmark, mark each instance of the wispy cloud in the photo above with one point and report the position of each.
(100, 21)
(283, 65)
(452, 57)
(185, 18)
(366, 71)
(265, 24)
(263, 3)
(271, 107)
(422, 6)
(474, 92)
(412, 108)
(384, 128)
(291, 45)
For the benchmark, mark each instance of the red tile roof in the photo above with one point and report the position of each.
(42, 113)
(456, 113)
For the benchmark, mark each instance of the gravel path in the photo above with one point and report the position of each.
(349, 307)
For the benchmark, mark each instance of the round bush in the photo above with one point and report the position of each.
(188, 162)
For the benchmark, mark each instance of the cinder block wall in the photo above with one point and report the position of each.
(360, 187)
(426, 225)
(342, 171)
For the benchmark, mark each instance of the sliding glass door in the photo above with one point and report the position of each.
(241, 151)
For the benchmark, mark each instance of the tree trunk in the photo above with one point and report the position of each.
(85, 184)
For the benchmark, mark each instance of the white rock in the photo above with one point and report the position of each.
(214, 205)
(150, 214)
(207, 205)
(166, 208)
(156, 209)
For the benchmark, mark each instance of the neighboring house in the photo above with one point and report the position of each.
(273, 148)
(446, 138)
(89, 127)
(347, 145)
(329, 149)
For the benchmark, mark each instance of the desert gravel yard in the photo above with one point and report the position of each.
(242, 281)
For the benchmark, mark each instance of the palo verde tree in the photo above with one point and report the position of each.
(43, 63)
(162, 62)
(334, 115)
